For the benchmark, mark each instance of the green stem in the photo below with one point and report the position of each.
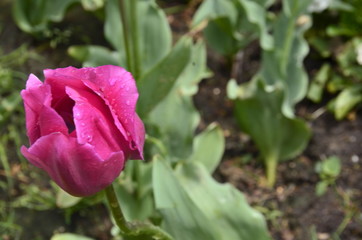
(271, 169)
(135, 38)
(125, 26)
(138, 229)
(116, 210)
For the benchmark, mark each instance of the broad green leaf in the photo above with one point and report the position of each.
(256, 17)
(233, 24)
(155, 85)
(317, 86)
(181, 216)
(212, 9)
(284, 63)
(33, 16)
(259, 114)
(69, 236)
(347, 100)
(153, 31)
(178, 135)
(209, 148)
(222, 204)
(65, 200)
(93, 56)
(219, 34)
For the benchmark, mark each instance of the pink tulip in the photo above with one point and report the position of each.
(82, 126)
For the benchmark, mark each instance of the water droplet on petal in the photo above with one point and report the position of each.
(128, 102)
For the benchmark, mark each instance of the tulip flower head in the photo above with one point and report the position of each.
(82, 125)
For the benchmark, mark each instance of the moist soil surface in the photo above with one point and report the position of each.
(292, 208)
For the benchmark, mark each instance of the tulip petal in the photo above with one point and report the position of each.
(35, 97)
(75, 167)
(118, 89)
(93, 123)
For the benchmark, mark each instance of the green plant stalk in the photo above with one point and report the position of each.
(125, 27)
(132, 228)
(116, 210)
(135, 39)
(271, 163)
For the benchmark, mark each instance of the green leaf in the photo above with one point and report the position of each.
(284, 63)
(33, 16)
(223, 205)
(93, 56)
(209, 147)
(182, 218)
(233, 24)
(331, 167)
(213, 9)
(347, 100)
(65, 200)
(258, 112)
(321, 188)
(155, 85)
(69, 236)
(256, 17)
(178, 135)
(317, 86)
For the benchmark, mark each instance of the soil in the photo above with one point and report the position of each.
(292, 208)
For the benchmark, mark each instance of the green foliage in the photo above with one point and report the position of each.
(258, 112)
(264, 107)
(232, 24)
(345, 80)
(195, 206)
(34, 16)
(328, 171)
(156, 84)
(175, 134)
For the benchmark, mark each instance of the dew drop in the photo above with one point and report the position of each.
(89, 138)
(128, 102)
(77, 115)
(127, 89)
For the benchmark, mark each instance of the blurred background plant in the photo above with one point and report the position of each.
(336, 38)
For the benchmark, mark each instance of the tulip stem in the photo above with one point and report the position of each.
(135, 40)
(127, 46)
(116, 210)
(136, 229)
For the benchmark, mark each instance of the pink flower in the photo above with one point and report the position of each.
(82, 126)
